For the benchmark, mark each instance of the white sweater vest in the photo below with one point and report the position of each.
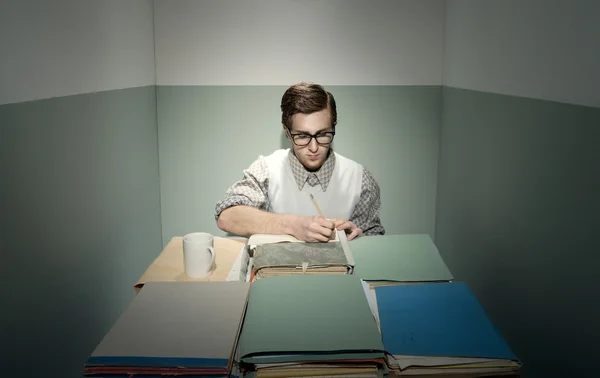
(342, 195)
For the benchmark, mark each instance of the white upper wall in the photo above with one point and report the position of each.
(546, 49)
(57, 48)
(279, 42)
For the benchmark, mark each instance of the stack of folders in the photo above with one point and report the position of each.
(278, 255)
(398, 259)
(310, 326)
(174, 328)
(440, 329)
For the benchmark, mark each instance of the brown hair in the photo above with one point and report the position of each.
(306, 98)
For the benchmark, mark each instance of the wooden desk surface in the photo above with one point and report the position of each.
(168, 266)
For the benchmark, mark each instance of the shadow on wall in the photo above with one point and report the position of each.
(285, 143)
(517, 219)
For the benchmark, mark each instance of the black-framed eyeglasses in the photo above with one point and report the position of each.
(304, 139)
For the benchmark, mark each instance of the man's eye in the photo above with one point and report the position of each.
(301, 137)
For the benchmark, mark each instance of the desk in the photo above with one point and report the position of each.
(168, 266)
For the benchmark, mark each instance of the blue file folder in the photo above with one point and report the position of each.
(437, 319)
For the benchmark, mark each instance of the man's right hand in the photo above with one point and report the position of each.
(314, 229)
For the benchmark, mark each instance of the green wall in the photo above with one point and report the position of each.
(79, 223)
(208, 135)
(518, 211)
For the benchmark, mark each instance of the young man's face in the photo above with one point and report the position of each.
(313, 155)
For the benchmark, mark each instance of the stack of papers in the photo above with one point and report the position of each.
(311, 326)
(440, 328)
(174, 328)
(277, 255)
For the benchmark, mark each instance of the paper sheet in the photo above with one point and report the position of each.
(372, 299)
(239, 269)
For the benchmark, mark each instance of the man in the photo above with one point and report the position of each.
(274, 197)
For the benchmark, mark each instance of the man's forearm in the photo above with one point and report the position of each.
(247, 220)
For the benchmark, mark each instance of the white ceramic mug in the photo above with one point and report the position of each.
(198, 254)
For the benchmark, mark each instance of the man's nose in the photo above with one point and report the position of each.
(313, 146)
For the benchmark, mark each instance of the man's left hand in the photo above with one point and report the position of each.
(349, 227)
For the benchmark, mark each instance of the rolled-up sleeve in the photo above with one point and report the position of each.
(366, 213)
(251, 190)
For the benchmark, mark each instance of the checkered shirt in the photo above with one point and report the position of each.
(252, 190)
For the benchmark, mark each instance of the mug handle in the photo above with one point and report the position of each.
(212, 257)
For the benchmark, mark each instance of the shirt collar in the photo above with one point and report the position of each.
(323, 174)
